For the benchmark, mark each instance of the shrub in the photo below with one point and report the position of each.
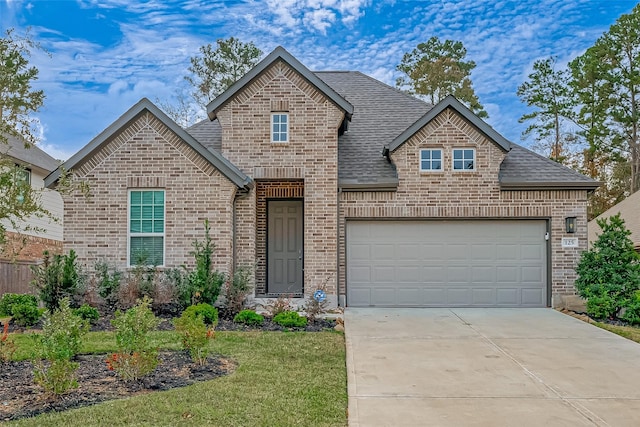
(609, 272)
(632, 310)
(249, 317)
(87, 313)
(58, 343)
(279, 305)
(290, 319)
(203, 284)
(195, 336)
(7, 346)
(108, 282)
(208, 313)
(135, 357)
(139, 283)
(8, 301)
(26, 315)
(56, 278)
(237, 289)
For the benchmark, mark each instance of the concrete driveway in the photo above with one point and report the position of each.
(487, 367)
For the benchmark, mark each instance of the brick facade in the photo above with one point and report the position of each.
(310, 156)
(148, 155)
(22, 247)
(467, 195)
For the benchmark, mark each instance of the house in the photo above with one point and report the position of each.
(28, 239)
(629, 210)
(334, 179)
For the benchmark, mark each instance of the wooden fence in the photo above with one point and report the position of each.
(15, 277)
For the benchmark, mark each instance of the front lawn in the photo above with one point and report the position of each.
(629, 332)
(282, 379)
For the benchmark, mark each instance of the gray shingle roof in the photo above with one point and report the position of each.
(32, 156)
(381, 114)
(525, 169)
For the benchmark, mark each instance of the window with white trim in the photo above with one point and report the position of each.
(146, 227)
(430, 159)
(464, 159)
(279, 127)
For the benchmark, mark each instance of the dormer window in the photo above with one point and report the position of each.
(280, 127)
(464, 159)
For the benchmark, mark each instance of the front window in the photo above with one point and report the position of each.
(146, 227)
(430, 160)
(280, 127)
(464, 159)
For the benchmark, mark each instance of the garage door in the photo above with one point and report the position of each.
(446, 263)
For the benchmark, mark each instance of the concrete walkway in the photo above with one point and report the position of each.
(487, 367)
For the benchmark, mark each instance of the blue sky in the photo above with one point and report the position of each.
(107, 54)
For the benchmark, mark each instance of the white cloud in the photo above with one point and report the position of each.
(320, 19)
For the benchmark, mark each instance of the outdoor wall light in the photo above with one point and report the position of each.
(570, 224)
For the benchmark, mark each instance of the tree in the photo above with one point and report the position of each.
(607, 80)
(215, 70)
(548, 91)
(18, 101)
(436, 69)
(609, 273)
(185, 112)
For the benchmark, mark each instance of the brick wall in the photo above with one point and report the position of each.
(147, 154)
(22, 247)
(449, 194)
(311, 155)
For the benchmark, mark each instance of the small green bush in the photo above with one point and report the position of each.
(135, 357)
(195, 336)
(208, 313)
(58, 343)
(56, 278)
(609, 272)
(26, 315)
(8, 301)
(249, 317)
(290, 319)
(88, 313)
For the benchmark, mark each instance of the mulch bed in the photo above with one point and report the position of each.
(20, 397)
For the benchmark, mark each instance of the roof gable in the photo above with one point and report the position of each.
(215, 158)
(31, 156)
(450, 102)
(279, 53)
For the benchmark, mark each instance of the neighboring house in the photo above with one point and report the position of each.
(31, 237)
(334, 179)
(629, 210)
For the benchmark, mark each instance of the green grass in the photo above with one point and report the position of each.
(629, 332)
(282, 379)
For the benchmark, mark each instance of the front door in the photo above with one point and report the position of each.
(284, 247)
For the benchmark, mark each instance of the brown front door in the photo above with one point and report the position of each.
(284, 247)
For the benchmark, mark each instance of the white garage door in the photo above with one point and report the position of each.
(499, 263)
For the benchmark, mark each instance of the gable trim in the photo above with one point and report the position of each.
(449, 102)
(279, 53)
(225, 167)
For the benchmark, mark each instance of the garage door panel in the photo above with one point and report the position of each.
(532, 297)
(456, 252)
(458, 296)
(507, 251)
(483, 296)
(446, 263)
